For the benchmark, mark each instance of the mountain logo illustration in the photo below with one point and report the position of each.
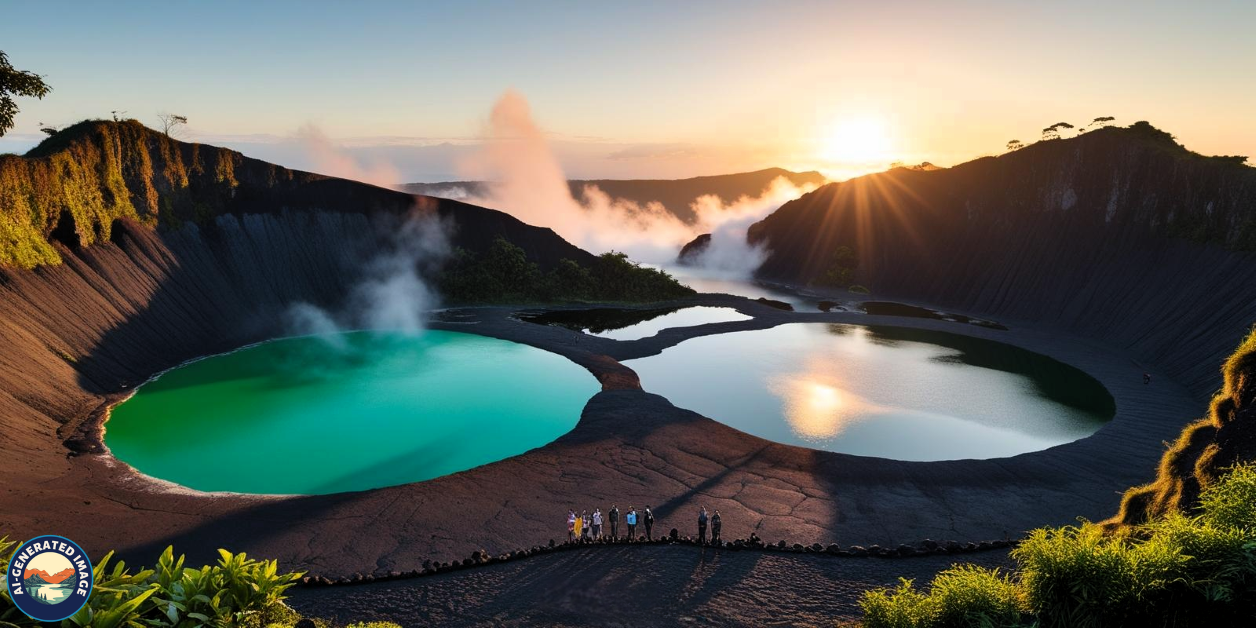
(49, 578)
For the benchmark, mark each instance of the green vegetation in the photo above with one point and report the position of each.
(1181, 552)
(237, 591)
(1204, 449)
(75, 184)
(15, 82)
(858, 289)
(78, 182)
(841, 269)
(503, 274)
(1179, 570)
(963, 595)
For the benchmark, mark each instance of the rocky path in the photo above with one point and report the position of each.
(633, 586)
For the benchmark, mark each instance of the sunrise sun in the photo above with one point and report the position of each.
(863, 140)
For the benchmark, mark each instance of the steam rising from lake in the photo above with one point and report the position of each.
(390, 293)
(527, 181)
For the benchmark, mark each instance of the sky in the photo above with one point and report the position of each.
(642, 89)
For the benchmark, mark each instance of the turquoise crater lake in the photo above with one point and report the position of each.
(890, 392)
(348, 412)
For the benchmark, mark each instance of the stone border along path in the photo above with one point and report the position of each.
(641, 449)
(639, 585)
(480, 558)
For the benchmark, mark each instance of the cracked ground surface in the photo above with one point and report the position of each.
(631, 448)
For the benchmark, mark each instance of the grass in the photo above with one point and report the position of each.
(1179, 570)
(1204, 449)
(963, 595)
(1181, 551)
(236, 591)
(88, 175)
(503, 274)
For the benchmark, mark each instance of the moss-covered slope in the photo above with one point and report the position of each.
(73, 186)
(1206, 448)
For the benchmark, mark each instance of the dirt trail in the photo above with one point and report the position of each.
(633, 586)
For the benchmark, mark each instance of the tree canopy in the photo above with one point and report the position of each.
(1053, 132)
(15, 82)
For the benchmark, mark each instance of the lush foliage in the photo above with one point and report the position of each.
(503, 274)
(237, 591)
(963, 595)
(75, 184)
(841, 270)
(15, 82)
(1205, 448)
(1176, 571)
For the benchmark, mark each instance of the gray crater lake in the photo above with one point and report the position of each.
(888, 392)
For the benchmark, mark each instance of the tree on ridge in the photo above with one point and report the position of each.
(15, 82)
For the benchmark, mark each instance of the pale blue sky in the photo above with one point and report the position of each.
(643, 88)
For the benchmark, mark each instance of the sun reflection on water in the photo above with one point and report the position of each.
(817, 405)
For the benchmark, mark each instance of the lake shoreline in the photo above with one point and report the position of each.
(634, 448)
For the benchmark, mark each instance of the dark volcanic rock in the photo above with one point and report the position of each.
(79, 336)
(780, 305)
(693, 250)
(1119, 234)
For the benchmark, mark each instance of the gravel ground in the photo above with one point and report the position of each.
(632, 586)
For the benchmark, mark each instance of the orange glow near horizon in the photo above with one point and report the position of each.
(857, 141)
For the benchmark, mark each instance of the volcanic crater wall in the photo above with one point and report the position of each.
(124, 252)
(1120, 235)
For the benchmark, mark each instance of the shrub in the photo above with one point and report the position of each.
(235, 591)
(963, 595)
(503, 274)
(858, 289)
(1077, 576)
(1232, 504)
(1178, 570)
(840, 272)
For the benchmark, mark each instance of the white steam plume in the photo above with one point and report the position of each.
(527, 181)
(390, 294)
(331, 161)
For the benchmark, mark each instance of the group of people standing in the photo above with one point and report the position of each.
(585, 527)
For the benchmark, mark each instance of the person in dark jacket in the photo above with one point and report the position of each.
(614, 513)
(715, 528)
(649, 523)
(702, 523)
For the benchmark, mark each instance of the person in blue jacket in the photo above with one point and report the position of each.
(631, 520)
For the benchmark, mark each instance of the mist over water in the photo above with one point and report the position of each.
(526, 180)
(389, 294)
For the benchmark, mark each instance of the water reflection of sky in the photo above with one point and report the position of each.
(685, 317)
(846, 388)
(722, 282)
